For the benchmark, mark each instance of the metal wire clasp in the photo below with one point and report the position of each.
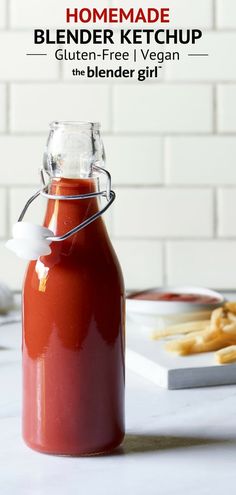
(107, 193)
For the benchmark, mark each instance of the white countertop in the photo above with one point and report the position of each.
(178, 442)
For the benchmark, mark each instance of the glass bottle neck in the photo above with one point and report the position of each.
(72, 149)
(63, 215)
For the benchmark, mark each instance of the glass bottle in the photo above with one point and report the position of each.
(74, 311)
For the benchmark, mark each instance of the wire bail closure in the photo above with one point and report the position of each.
(108, 193)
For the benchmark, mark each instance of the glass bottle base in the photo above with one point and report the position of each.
(104, 450)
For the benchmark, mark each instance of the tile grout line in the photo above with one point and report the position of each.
(111, 99)
(173, 240)
(217, 216)
(148, 187)
(215, 109)
(144, 134)
(8, 108)
(28, 29)
(8, 15)
(164, 158)
(8, 215)
(206, 83)
(214, 15)
(164, 261)
(138, 134)
(60, 74)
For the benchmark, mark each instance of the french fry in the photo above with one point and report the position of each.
(230, 328)
(211, 345)
(224, 322)
(226, 355)
(231, 316)
(217, 334)
(183, 328)
(216, 317)
(181, 347)
(195, 345)
(210, 334)
(230, 306)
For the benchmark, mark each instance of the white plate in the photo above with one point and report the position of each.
(158, 314)
(149, 359)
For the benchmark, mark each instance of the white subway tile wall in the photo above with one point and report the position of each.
(39, 13)
(18, 198)
(2, 13)
(35, 105)
(16, 66)
(226, 97)
(3, 107)
(184, 13)
(226, 14)
(21, 159)
(129, 158)
(170, 144)
(214, 68)
(155, 213)
(226, 212)
(207, 263)
(189, 13)
(201, 160)
(45, 13)
(136, 258)
(162, 108)
(3, 213)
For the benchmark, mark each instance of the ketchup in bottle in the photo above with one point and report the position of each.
(74, 311)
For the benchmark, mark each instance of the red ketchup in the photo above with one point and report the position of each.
(175, 297)
(73, 334)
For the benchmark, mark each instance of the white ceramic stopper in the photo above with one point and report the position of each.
(30, 241)
(27, 230)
